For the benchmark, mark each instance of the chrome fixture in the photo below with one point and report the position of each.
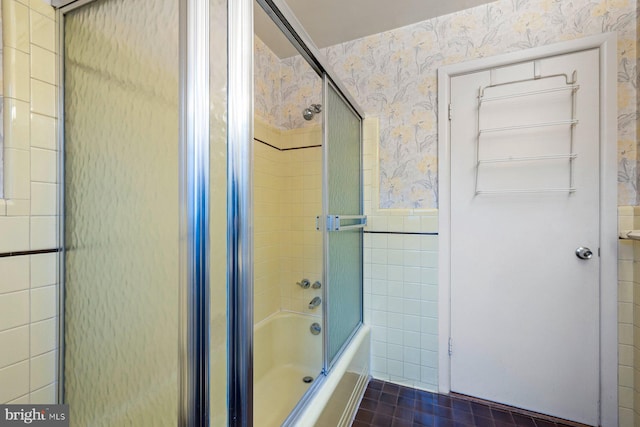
(315, 328)
(304, 284)
(315, 302)
(316, 285)
(311, 111)
(584, 253)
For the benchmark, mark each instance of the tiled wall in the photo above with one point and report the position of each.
(627, 255)
(400, 283)
(287, 197)
(301, 248)
(267, 193)
(28, 284)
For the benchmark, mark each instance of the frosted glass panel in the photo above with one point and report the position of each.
(343, 154)
(121, 224)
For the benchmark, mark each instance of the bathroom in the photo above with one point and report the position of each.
(401, 242)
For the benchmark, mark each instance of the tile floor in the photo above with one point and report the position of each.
(390, 405)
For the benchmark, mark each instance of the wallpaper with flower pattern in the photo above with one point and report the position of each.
(393, 77)
(284, 88)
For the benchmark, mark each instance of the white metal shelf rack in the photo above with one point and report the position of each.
(570, 85)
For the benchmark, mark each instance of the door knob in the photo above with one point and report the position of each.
(584, 253)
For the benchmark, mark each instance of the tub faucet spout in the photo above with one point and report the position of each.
(315, 302)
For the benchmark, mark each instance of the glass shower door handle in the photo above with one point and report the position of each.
(334, 222)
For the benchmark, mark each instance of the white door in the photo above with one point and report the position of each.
(524, 197)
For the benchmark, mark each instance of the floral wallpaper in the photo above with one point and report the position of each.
(284, 88)
(266, 76)
(393, 77)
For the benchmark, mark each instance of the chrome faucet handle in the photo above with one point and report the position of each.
(304, 284)
(314, 302)
(316, 285)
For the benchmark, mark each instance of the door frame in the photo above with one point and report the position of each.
(607, 45)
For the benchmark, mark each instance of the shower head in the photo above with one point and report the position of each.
(311, 111)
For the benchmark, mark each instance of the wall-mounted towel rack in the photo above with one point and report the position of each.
(484, 162)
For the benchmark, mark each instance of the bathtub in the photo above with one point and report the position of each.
(336, 401)
(285, 352)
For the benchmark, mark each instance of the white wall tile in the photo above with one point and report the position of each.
(43, 199)
(43, 31)
(15, 25)
(43, 370)
(43, 131)
(44, 270)
(15, 234)
(43, 7)
(14, 274)
(18, 376)
(46, 394)
(16, 174)
(15, 346)
(43, 65)
(16, 124)
(43, 336)
(22, 400)
(18, 207)
(15, 310)
(43, 232)
(43, 303)
(16, 74)
(43, 98)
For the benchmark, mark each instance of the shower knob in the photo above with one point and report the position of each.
(304, 284)
(584, 253)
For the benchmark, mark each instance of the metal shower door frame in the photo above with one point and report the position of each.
(193, 346)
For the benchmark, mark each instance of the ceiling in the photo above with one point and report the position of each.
(330, 22)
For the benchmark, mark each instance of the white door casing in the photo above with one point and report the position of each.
(559, 330)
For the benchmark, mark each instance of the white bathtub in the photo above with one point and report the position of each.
(335, 403)
(285, 351)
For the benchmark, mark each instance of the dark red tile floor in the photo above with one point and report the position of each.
(390, 405)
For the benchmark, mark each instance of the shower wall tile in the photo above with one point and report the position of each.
(29, 284)
(44, 395)
(15, 346)
(15, 232)
(43, 32)
(43, 270)
(43, 97)
(42, 7)
(43, 199)
(43, 65)
(43, 132)
(15, 310)
(43, 303)
(16, 74)
(16, 173)
(18, 376)
(43, 370)
(16, 124)
(14, 274)
(15, 25)
(17, 207)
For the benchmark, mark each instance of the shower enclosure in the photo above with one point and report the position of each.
(201, 267)
(307, 224)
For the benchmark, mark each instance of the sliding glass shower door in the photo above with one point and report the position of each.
(345, 220)
(121, 67)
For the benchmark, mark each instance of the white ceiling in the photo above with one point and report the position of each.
(330, 22)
